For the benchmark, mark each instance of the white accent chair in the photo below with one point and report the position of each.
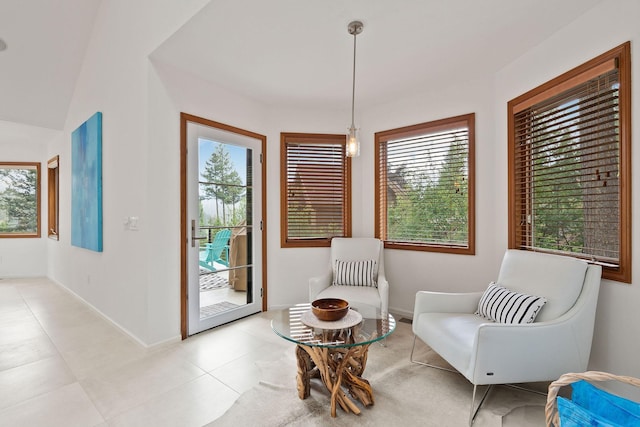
(354, 249)
(488, 353)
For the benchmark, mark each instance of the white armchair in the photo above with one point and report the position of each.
(487, 353)
(354, 249)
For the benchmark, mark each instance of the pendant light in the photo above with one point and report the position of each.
(353, 145)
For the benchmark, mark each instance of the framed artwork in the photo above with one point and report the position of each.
(86, 184)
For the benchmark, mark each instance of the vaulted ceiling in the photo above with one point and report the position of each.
(46, 42)
(282, 52)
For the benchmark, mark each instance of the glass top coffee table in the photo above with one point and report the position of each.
(335, 352)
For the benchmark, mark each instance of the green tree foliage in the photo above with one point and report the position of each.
(575, 180)
(222, 183)
(429, 203)
(18, 200)
(557, 212)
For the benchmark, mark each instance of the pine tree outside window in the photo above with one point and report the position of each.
(221, 183)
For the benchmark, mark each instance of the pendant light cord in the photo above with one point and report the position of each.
(353, 90)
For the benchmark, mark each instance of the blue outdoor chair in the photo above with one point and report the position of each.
(213, 252)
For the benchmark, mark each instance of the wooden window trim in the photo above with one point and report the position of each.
(315, 138)
(380, 177)
(53, 193)
(37, 233)
(620, 55)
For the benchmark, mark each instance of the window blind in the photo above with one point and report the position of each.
(567, 171)
(424, 186)
(316, 189)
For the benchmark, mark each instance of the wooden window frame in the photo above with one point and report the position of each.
(312, 138)
(30, 165)
(620, 56)
(53, 193)
(380, 210)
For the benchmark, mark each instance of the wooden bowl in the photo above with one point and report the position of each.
(330, 309)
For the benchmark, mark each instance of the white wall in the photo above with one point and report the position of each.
(289, 269)
(26, 257)
(616, 345)
(134, 281)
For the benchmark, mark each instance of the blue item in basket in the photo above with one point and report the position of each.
(573, 415)
(614, 408)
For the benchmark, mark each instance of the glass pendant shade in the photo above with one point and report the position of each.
(353, 145)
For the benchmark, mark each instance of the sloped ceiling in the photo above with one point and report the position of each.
(282, 52)
(46, 42)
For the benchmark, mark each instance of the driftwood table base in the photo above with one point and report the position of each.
(336, 354)
(340, 370)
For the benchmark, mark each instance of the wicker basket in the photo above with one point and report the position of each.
(551, 409)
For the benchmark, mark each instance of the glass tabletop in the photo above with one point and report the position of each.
(374, 326)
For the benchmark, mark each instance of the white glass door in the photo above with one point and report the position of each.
(224, 225)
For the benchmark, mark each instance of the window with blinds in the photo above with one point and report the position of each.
(569, 165)
(315, 189)
(425, 186)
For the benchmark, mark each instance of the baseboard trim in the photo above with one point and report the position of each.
(122, 329)
(398, 313)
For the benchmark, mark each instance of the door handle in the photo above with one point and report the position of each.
(194, 238)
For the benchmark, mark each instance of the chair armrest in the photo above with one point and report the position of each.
(445, 302)
(318, 283)
(531, 346)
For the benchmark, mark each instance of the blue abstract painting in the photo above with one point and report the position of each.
(86, 184)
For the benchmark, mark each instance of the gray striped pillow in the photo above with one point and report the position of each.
(355, 273)
(505, 306)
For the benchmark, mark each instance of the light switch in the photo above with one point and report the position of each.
(131, 223)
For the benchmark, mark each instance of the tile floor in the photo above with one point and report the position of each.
(62, 364)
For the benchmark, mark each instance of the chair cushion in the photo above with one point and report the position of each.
(558, 278)
(451, 335)
(501, 305)
(354, 273)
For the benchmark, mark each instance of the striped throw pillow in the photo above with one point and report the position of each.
(501, 305)
(355, 273)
